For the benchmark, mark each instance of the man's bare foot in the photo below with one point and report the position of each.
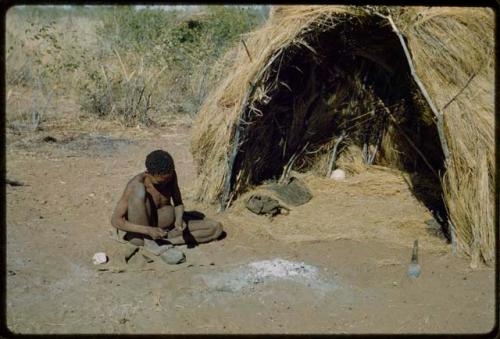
(155, 247)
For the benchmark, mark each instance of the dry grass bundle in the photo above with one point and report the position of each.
(237, 135)
(453, 50)
(351, 160)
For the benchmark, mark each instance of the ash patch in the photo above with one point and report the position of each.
(95, 145)
(98, 144)
(261, 272)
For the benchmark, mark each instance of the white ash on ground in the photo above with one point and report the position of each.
(265, 271)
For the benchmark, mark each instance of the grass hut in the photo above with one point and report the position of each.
(405, 87)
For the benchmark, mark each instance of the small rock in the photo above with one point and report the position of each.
(148, 259)
(394, 283)
(11, 273)
(224, 289)
(432, 223)
(99, 258)
(123, 320)
(49, 139)
(258, 280)
(13, 182)
(173, 256)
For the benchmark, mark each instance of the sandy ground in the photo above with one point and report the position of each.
(335, 265)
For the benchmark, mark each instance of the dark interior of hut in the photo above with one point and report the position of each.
(356, 84)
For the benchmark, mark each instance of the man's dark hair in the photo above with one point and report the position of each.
(159, 162)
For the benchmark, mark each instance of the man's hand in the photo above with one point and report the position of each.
(181, 226)
(156, 233)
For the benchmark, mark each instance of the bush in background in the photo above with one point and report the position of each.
(120, 62)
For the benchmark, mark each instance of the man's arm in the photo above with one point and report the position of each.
(178, 204)
(119, 221)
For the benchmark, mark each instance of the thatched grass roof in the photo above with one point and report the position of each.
(452, 52)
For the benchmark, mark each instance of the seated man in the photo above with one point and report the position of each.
(145, 212)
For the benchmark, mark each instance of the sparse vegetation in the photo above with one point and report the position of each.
(120, 62)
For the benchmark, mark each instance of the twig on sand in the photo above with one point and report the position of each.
(130, 253)
(13, 182)
(208, 326)
(123, 270)
(245, 247)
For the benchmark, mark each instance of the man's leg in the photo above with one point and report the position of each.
(138, 213)
(201, 230)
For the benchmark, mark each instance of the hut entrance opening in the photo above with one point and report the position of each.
(350, 83)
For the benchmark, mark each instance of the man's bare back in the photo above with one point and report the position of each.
(151, 207)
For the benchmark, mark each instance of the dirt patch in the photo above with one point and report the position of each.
(249, 282)
(96, 145)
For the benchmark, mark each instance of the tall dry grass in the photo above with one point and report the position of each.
(453, 50)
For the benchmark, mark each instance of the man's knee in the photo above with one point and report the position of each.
(137, 195)
(217, 228)
(137, 203)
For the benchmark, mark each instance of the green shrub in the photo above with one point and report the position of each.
(121, 95)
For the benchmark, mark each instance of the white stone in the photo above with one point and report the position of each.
(338, 175)
(173, 256)
(99, 258)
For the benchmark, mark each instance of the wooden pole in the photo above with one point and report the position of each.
(438, 114)
(333, 159)
(290, 163)
(246, 49)
(239, 134)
